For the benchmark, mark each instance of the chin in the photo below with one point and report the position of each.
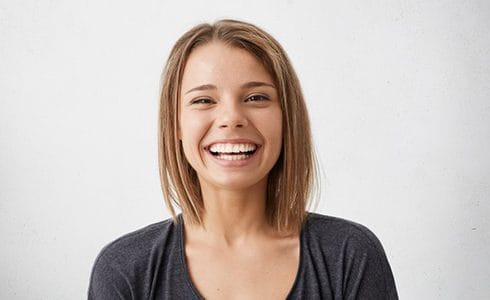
(230, 182)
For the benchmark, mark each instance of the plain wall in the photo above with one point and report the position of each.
(399, 99)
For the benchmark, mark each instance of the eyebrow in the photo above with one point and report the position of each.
(203, 87)
(247, 85)
(252, 84)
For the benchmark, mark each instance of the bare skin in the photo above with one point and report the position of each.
(253, 268)
(235, 253)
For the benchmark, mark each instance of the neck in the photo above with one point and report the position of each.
(232, 217)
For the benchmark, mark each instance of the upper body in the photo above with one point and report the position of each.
(339, 259)
(236, 156)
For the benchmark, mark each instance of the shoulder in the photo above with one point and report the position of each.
(351, 255)
(137, 243)
(123, 267)
(334, 230)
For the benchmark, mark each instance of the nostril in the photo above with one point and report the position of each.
(233, 121)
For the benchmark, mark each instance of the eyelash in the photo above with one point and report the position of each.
(262, 98)
(251, 98)
(201, 101)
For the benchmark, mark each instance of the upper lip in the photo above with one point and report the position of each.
(232, 141)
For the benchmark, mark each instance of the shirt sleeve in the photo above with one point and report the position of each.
(367, 273)
(107, 282)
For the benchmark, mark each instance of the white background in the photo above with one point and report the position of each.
(399, 97)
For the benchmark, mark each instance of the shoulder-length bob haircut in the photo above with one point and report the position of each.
(291, 180)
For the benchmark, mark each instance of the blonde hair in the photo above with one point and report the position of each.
(291, 180)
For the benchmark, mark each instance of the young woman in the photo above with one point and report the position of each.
(236, 158)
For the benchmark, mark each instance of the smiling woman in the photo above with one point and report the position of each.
(236, 157)
(231, 133)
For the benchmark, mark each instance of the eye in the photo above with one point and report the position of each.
(256, 98)
(201, 101)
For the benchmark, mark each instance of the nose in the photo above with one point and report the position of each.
(232, 116)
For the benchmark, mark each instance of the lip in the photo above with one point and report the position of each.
(234, 163)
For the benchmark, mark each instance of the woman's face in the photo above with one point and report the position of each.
(230, 119)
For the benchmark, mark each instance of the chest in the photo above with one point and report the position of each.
(244, 274)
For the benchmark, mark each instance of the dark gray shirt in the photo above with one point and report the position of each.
(339, 259)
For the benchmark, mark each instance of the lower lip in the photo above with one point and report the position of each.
(235, 163)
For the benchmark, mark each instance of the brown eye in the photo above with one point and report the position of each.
(255, 98)
(201, 101)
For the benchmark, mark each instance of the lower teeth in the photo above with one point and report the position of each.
(233, 157)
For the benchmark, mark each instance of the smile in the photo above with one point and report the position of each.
(232, 151)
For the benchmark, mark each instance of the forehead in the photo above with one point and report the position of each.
(222, 65)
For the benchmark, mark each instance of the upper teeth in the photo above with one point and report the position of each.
(232, 148)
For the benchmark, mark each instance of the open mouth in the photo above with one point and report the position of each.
(227, 151)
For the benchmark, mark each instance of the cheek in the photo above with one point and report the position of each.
(278, 134)
(273, 125)
(191, 132)
(270, 125)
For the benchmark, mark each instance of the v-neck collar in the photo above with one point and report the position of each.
(185, 270)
